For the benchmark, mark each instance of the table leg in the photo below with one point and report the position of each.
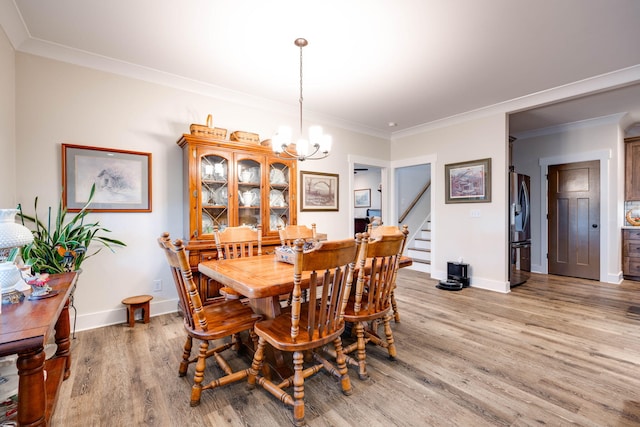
(268, 307)
(31, 388)
(63, 342)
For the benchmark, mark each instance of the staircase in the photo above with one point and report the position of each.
(419, 249)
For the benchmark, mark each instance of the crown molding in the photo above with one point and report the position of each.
(603, 82)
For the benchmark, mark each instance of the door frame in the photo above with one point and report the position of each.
(384, 181)
(605, 200)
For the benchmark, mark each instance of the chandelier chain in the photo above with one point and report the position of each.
(301, 98)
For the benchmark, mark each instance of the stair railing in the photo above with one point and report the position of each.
(414, 202)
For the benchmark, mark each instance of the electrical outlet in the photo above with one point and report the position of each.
(157, 285)
(475, 213)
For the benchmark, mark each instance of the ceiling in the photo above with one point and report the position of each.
(412, 62)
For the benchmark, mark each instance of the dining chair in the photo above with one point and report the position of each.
(371, 301)
(390, 230)
(309, 326)
(237, 242)
(215, 321)
(288, 236)
(290, 233)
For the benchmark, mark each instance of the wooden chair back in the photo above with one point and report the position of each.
(388, 230)
(375, 286)
(290, 233)
(237, 242)
(331, 265)
(183, 279)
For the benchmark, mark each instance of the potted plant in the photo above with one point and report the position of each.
(64, 245)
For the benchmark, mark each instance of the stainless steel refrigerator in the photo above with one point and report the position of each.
(519, 228)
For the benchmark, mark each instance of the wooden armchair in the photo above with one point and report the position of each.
(290, 233)
(288, 236)
(237, 242)
(309, 326)
(371, 301)
(223, 318)
(391, 230)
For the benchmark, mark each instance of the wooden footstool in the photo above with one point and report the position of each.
(134, 303)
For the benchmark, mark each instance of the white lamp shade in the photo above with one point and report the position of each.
(325, 144)
(302, 147)
(12, 234)
(315, 135)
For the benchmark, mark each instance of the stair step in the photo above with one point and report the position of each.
(419, 249)
(421, 244)
(422, 266)
(421, 254)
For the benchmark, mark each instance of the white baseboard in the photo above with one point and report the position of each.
(119, 315)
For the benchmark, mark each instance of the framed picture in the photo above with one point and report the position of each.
(122, 179)
(318, 191)
(362, 198)
(468, 182)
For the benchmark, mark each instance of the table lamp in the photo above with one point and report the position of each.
(12, 235)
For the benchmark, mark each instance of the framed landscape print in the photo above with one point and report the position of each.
(468, 182)
(362, 198)
(318, 191)
(122, 179)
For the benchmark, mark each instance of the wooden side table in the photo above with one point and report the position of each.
(137, 302)
(26, 327)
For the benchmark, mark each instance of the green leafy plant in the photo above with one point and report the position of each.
(65, 246)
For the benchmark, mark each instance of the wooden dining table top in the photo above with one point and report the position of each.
(259, 276)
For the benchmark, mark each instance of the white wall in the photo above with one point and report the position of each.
(479, 241)
(59, 102)
(7, 123)
(597, 139)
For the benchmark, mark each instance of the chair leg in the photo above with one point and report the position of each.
(394, 307)
(361, 353)
(256, 364)
(298, 389)
(345, 381)
(186, 355)
(201, 364)
(391, 347)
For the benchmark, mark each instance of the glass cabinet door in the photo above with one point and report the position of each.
(279, 189)
(214, 193)
(249, 180)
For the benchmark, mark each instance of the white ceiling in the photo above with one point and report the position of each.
(368, 63)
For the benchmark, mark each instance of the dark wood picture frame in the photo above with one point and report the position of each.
(319, 191)
(468, 182)
(122, 179)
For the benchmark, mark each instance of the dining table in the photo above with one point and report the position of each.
(262, 279)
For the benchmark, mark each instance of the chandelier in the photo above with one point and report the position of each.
(316, 147)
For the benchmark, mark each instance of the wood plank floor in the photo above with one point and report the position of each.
(555, 351)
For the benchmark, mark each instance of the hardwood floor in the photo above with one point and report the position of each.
(555, 351)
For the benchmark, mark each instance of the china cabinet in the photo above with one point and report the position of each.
(232, 183)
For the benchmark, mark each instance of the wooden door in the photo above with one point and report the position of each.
(574, 220)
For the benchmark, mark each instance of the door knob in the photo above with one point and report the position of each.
(594, 225)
